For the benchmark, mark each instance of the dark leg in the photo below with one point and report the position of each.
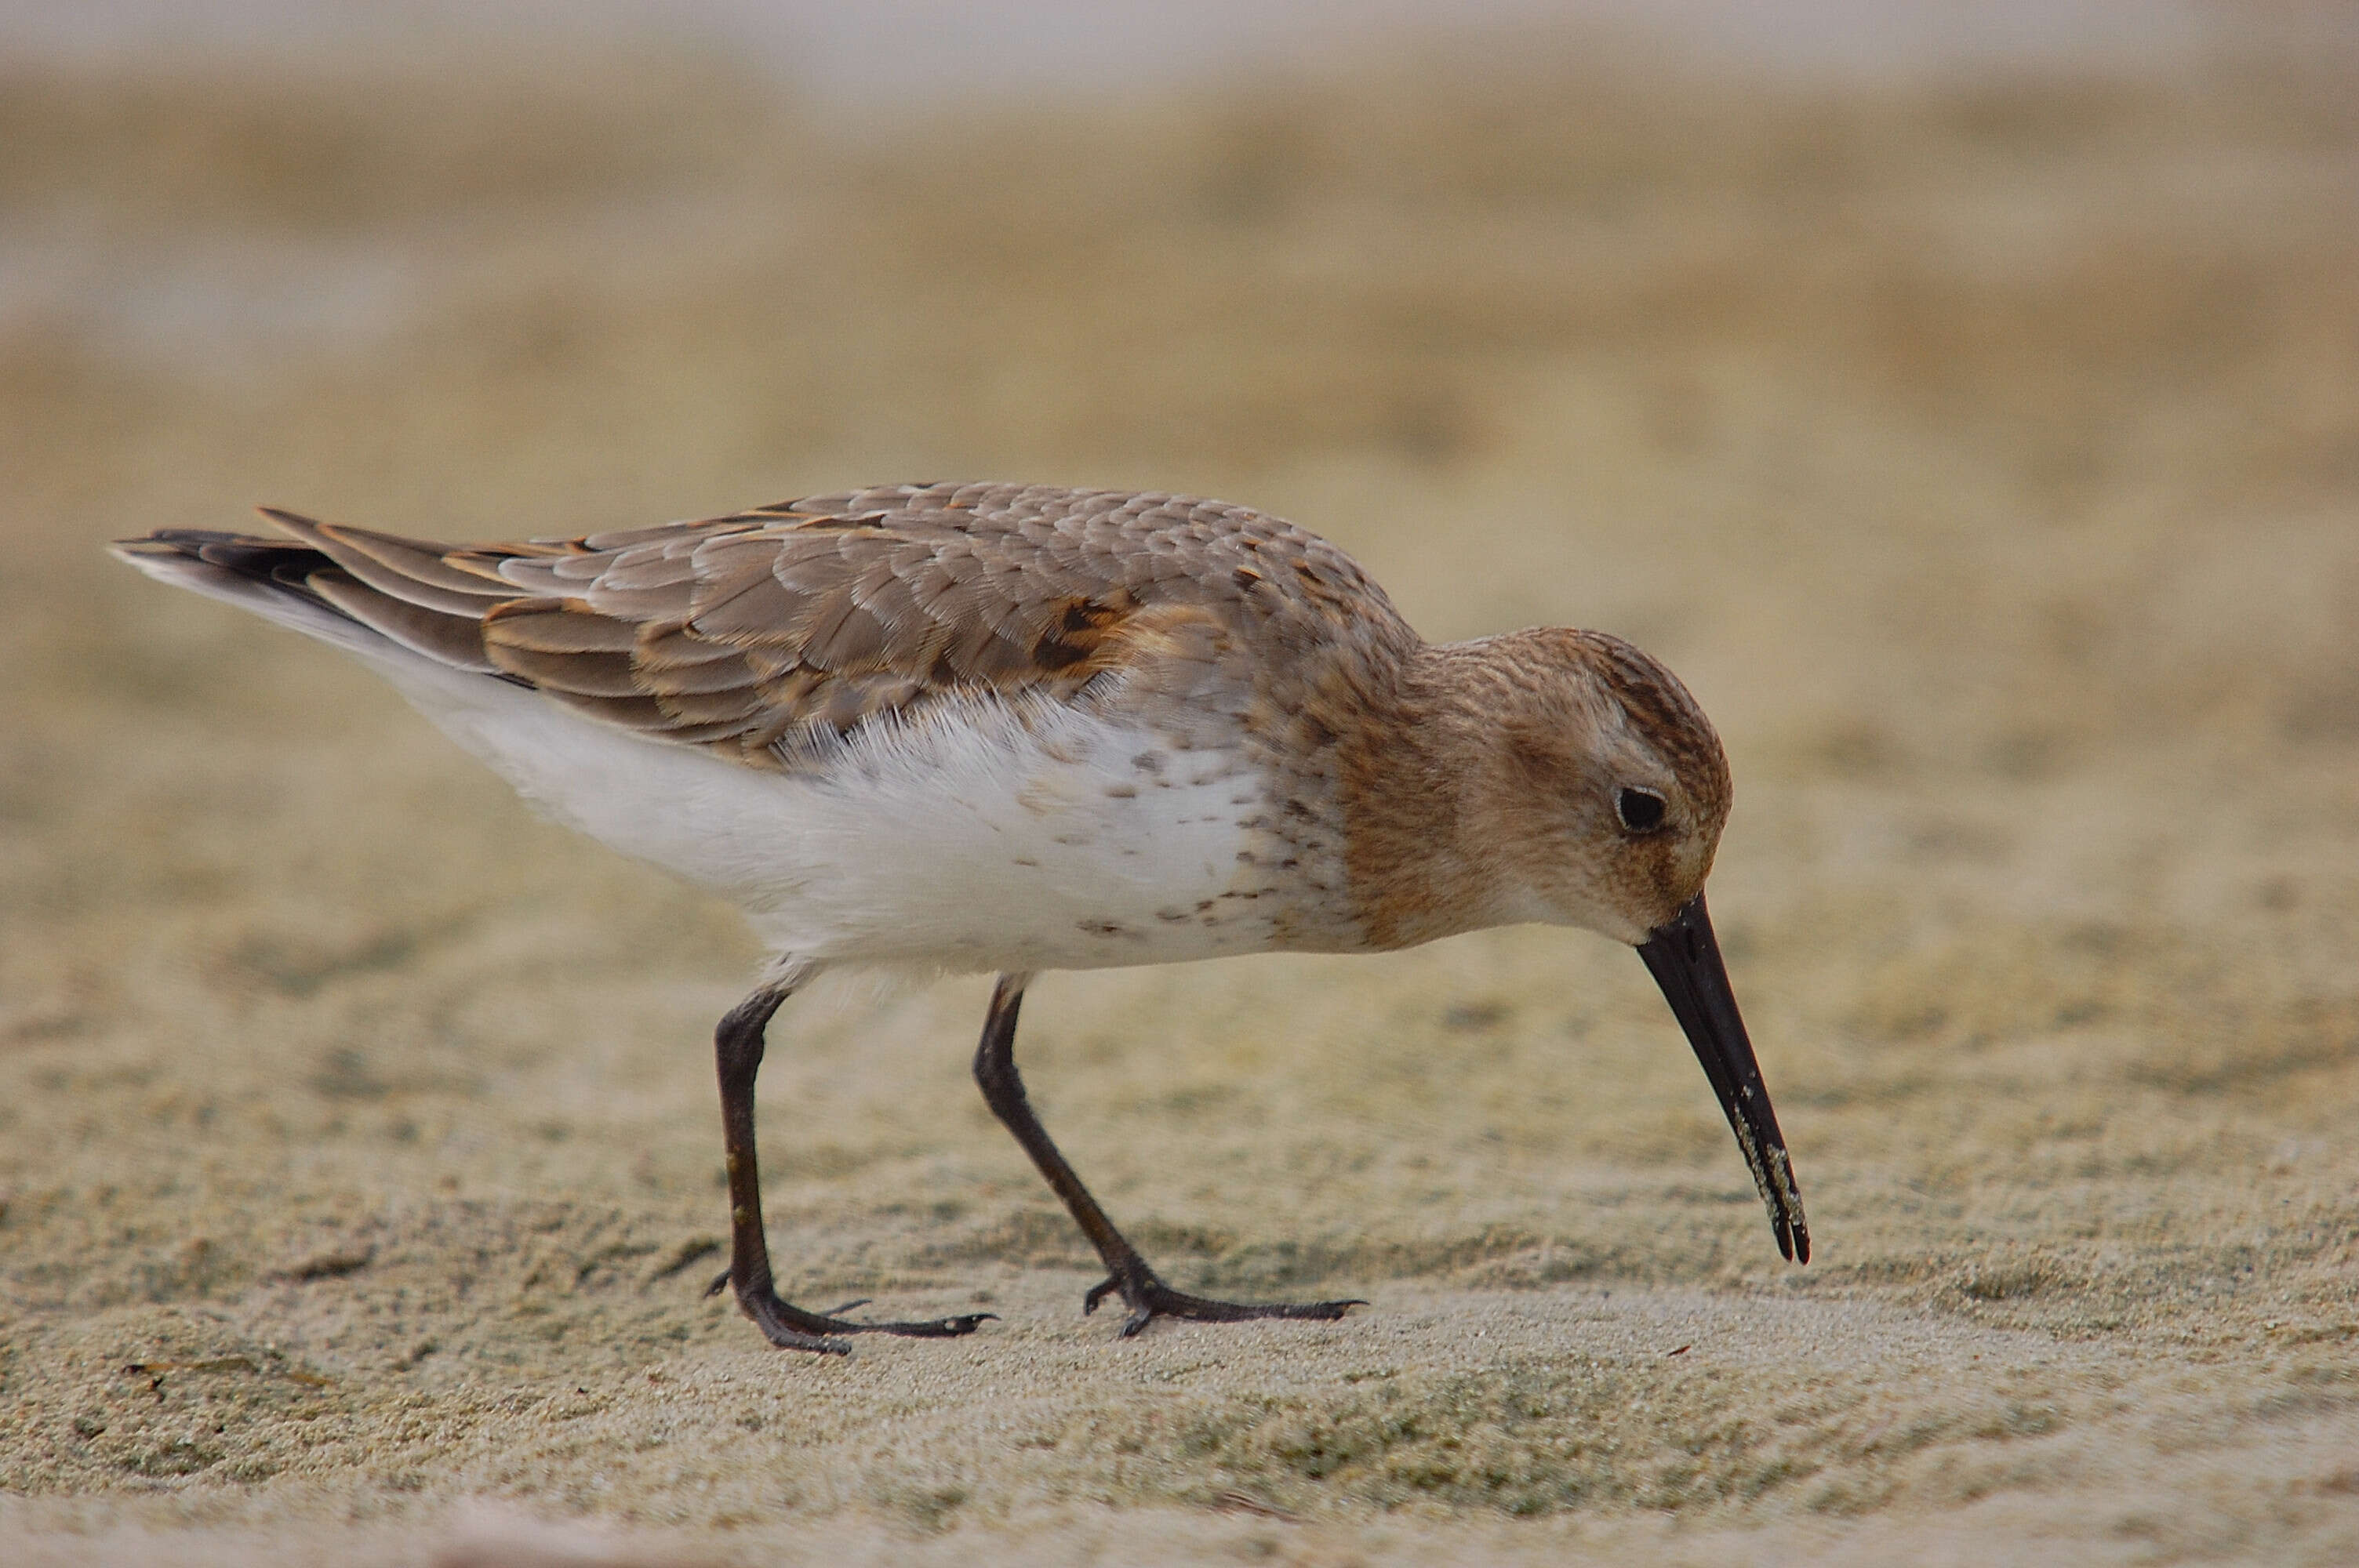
(1143, 1291)
(737, 1047)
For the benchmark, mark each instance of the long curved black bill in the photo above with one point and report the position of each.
(1684, 957)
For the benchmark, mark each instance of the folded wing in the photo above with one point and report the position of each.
(770, 634)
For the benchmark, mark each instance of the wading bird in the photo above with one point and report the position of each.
(999, 728)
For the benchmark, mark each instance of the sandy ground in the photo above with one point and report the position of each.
(1985, 457)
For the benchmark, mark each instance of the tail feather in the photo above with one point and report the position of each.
(310, 583)
(411, 571)
(276, 560)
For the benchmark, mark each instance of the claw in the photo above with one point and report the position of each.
(1099, 1293)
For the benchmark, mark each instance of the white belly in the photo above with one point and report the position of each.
(976, 842)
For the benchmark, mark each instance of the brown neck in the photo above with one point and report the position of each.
(1405, 779)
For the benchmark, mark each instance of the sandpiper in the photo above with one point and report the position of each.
(1003, 728)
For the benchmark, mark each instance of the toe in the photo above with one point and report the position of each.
(786, 1338)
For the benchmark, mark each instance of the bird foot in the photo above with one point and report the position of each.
(790, 1327)
(1150, 1298)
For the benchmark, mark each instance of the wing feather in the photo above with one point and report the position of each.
(579, 673)
(557, 626)
(456, 640)
(725, 674)
(750, 606)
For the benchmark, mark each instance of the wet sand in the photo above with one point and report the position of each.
(1986, 457)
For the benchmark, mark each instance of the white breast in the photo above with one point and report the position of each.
(981, 839)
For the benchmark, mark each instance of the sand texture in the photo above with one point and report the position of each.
(1986, 456)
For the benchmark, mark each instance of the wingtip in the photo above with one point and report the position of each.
(307, 529)
(158, 553)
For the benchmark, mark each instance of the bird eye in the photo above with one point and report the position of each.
(1641, 810)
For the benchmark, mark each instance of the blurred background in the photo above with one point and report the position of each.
(1963, 397)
